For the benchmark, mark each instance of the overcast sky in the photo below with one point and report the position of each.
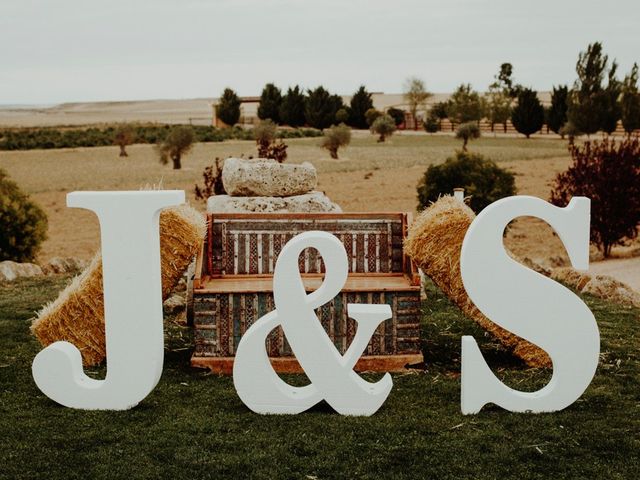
(70, 50)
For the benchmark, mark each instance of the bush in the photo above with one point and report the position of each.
(336, 137)
(178, 142)
(371, 115)
(608, 172)
(383, 126)
(432, 123)
(481, 179)
(212, 177)
(467, 131)
(342, 116)
(265, 134)
(23, 224)
(397, 115)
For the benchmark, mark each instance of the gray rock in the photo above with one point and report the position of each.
(314, 202)
(267, 178)
(174, 304)
(11, 270)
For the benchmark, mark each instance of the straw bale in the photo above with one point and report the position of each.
(434, 243)
(77, 315)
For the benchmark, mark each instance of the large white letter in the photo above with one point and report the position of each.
(129, 227)
(530, 305)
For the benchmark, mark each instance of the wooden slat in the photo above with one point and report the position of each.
(259, 283)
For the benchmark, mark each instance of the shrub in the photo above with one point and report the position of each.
(383, 126)
(481, 178)
(432, 123)
(212, 177)
(371, 115)
(178, 142)
(397, 115)
(265, 134)
(608, 172)
(124, 135)
(342, 116)
(23, 224)
(336, 137)
(528, 115)
(228, 108)
(467, 131)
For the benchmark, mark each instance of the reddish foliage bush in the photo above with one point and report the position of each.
(608, 172)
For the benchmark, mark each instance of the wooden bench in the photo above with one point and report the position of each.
(233, 286)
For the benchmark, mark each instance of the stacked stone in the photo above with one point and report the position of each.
(266, 186)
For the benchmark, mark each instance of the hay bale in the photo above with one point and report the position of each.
(434, 243)
(571, 277)
(77, 315)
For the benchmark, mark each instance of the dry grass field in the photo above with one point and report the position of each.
(368, 177)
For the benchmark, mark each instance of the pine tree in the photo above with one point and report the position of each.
(292, 108)
(630, 101)
(360, 103)
(270, 101)
(528, 115)
(557, 113)
(228, 108)
(321, 108)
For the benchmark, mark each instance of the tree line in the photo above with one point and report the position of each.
(596, 101)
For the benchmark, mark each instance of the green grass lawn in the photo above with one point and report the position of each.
(194, 426)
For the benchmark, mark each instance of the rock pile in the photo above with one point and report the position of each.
(264, 185)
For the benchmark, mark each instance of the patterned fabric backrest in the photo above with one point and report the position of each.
(251, 243)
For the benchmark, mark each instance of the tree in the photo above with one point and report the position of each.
(292, 108)
(336, 137)
(177, 143)
(557, 113)
(504, 81)
(608, 172)
(321, 108)
(467, 131)
(371, 115)
(630, 101)
(228, 108)
(528, 115)
(124, 135)
(270, 101)
(383, 126)
(265, 134)
(397, 115)
(23, 224)
(342, 116)
(465, 105)
(498, 107)
(481, 179)
(416, 95)
(593, 107)
(360, 103)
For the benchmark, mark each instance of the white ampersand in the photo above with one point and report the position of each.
(331, 374)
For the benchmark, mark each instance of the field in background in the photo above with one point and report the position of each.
(368, 177)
